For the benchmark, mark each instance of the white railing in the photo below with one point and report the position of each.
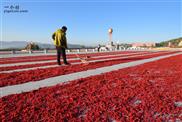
(80, 50)
(46, 51)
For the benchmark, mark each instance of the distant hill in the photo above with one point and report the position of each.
(22, 44)
(173, 42)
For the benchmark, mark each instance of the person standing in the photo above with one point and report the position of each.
(98, 48)
(60, 43)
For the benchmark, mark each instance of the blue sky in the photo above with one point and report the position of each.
(89, 21)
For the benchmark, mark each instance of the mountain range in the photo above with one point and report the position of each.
(22, 44)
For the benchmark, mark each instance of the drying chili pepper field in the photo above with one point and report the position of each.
(118, 86)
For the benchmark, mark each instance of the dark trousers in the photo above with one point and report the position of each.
(61, 52)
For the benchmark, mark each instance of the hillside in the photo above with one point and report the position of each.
(173, 43)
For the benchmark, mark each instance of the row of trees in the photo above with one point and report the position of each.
(32, 46)
(171, 43)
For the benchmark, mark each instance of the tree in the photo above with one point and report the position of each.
(32, 46)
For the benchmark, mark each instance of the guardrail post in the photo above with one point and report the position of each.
(86, 50)
(45, 51)
(93, 50)
(30, 51)
(78, 50)
(68, 50)
(13, 52)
